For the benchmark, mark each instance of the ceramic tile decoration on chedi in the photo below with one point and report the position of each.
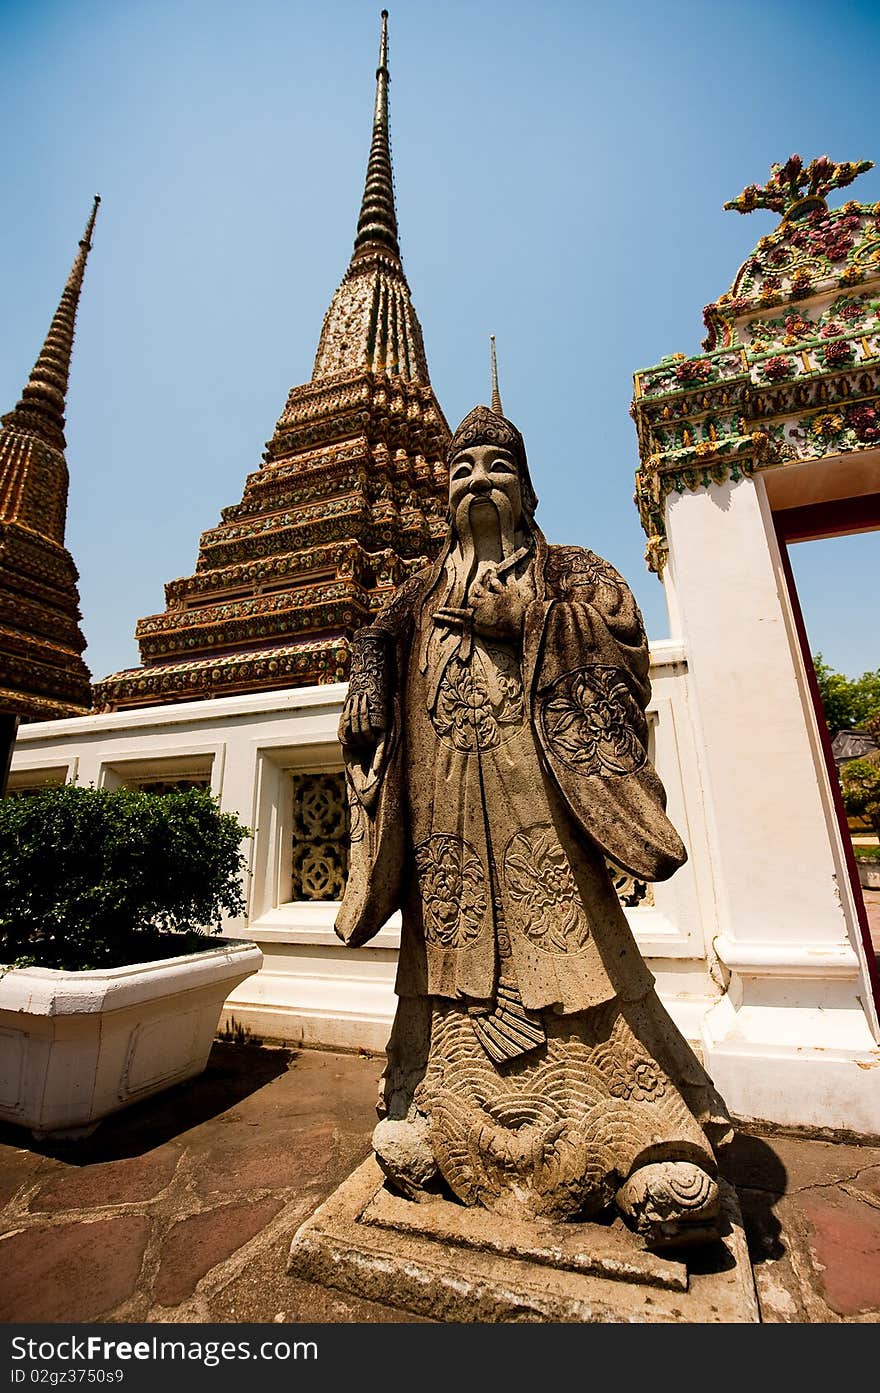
(348, 500)
(791, 367)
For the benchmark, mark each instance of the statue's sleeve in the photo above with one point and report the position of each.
(588, 662)
(396, 617)
(373, 672)
(374, 776)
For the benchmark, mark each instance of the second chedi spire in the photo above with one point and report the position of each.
(42, 673)
(40, 410)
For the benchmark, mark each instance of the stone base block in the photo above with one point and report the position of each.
(442, 1260)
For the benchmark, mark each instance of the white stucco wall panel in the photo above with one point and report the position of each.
(773, 864)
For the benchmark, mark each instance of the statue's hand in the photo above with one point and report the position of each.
(498, 609)
(361, 723)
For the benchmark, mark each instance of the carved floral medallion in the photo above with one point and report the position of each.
(479, 702)
(453, 886)
(542, 895)
(589, 719)
(629, 1073)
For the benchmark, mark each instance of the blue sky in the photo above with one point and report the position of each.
(560, 171)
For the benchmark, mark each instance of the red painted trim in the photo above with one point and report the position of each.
(839, 518)
(825, 738)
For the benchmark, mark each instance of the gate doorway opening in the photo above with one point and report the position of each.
(839, 541)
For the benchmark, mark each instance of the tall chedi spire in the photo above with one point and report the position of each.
(349, 500)
(371, 322)
(42, 674)
(377, 223)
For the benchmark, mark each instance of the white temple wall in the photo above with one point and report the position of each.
(793, 1039)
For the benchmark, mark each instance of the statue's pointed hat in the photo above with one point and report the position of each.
(486, 425)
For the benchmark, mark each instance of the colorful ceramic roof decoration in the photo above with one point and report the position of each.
(42, 673)
(791, 362)
(349, 500)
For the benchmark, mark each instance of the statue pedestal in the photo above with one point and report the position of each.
(442, 1260)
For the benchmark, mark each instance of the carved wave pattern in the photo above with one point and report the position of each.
(556, 1132)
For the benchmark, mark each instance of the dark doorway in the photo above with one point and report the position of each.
(849, 576)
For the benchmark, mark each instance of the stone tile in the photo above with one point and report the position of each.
(352, 1081)
(19, 1166)
(130, 1180)
(844, 1241)
(776, 1281)
(810, 1163)
(79, 1271)
(867, 1185)
(317, 1082)
(195, 1245)
(189, 1110)
(289, 1158)
(782, 1165)
(314, 1088)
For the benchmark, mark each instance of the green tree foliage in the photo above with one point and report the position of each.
(102, 878)
(847, 701)
(860, 781)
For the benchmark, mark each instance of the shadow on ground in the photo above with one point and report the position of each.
(760, 1180)
(234, 1072)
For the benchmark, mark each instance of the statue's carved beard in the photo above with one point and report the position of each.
(488, 534)
(486, 530)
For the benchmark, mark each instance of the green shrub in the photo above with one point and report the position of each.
(848, 702)
(867, 853)
(860, 784)
(102, 878)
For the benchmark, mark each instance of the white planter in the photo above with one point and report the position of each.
(869, 874)
(75, 1046)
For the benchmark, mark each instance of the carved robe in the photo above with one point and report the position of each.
(511, 768)
(573, 696)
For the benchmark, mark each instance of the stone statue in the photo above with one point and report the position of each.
(494, 737)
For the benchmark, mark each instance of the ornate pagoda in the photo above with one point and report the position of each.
(350, 497)
(791, 368)
(42, 673)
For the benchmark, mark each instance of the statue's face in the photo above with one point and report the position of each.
(485, 473)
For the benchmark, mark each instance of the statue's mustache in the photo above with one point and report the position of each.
(494, 496)
(503, 508)
(472, 500)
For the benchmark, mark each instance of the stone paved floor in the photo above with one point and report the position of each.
(182, 1209)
